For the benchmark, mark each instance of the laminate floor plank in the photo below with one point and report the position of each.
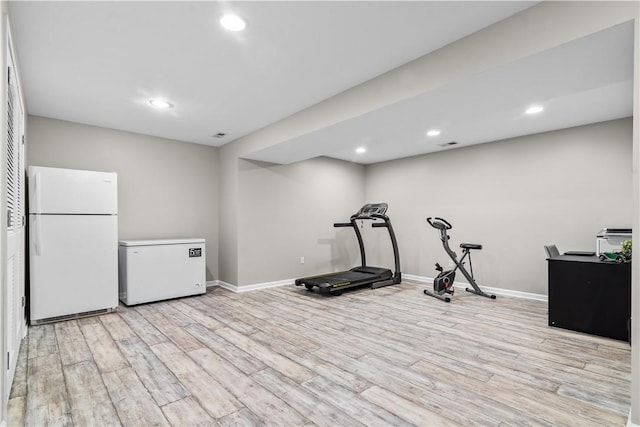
(617, 374)
(307, 404)
(19, 387)
(242, 360)
(106, 353)
(409, 411)
(71, 344)
(241, 418)
(188, 412)
(244, 317)
(171, 330)
(89, 400)
(230, 319)
(141, 326)
(213, 397)
(132, 401)
(415, 388)
(299, 312)
(116, 326)
(546, 404)
(569, 375)
(246, 306)
(607, 402)
(313, 363)
(172, 314)
(163, 386)
(301, 341)
(371, 341)
(42, 341)
(548, 411)
(351, 403)
(261, 322)
(536, 350)
(284, 365)
(288, 357)
(16, 409)
(47, 398)
(263, 403)
(197, 316)
(328, 337)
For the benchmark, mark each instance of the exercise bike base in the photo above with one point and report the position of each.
(440, 297)
(481, 293)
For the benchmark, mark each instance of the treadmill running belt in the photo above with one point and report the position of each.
(339, 277)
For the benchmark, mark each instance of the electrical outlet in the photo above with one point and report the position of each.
(301, 260)
(450, 263)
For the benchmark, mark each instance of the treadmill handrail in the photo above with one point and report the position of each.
(363, 256)
(342, 224)
(396, 255)
(387, 223)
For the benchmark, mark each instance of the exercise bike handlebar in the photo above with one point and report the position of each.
(439, 223)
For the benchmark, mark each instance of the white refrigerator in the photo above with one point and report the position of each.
(73, 243)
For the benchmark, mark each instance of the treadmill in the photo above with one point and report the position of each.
(375, 277)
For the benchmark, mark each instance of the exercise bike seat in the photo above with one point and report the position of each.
(470, 246)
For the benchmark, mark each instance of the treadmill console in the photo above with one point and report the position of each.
(373, 208)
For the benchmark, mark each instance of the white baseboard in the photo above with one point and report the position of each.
(421, 279)
(247, 288)
(631, 423)
(488, 289)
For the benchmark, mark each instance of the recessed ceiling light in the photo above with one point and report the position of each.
(160, 104)
(534, 110)
(233, 22)
(361, 150)
(433, 132)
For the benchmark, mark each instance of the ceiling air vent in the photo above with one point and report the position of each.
(448, 144)
(219, 135)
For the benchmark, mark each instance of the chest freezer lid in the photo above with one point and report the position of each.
(158, 242)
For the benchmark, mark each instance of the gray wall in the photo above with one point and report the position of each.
(167, 189)
(288, 212)
(513, 196)
(501, 43)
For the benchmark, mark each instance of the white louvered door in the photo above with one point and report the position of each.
(14, 310)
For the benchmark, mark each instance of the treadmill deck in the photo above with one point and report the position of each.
(357, 276)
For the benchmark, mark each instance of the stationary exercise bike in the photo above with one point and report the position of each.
(443, 283)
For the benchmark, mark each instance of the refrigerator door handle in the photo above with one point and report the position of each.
(37, 233)
(37, 191)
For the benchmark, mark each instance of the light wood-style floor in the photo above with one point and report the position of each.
(287, 357)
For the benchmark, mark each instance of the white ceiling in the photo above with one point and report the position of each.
(98, 63)
(588, 80)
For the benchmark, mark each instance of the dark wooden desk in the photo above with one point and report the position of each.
(589, 295)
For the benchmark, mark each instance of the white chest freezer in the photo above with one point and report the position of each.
(154, 270)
